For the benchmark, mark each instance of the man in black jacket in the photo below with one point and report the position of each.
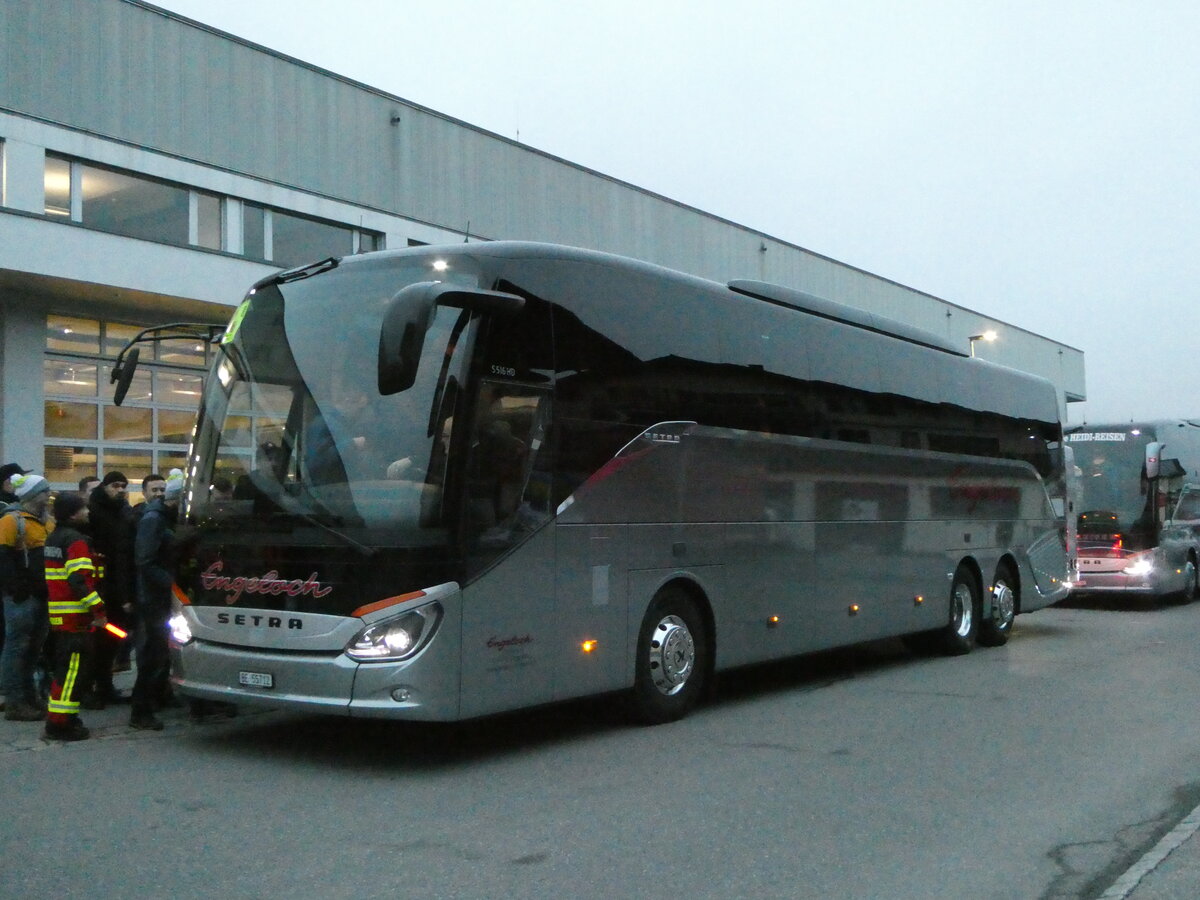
(112, 530)
(155, 554)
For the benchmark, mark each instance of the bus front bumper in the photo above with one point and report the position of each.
(326, 683)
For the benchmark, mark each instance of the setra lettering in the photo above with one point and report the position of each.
(259, 621)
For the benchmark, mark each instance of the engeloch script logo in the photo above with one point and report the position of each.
(269, 583)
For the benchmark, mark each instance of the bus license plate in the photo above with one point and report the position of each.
(256, 679)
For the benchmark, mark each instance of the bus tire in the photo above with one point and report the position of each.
(997, 626)
(1190, 587)
(672, 661)
(960, 633)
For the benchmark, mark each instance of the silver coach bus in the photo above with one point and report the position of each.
(440, 483)
(1138, 507)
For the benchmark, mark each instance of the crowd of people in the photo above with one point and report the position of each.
(86, 583)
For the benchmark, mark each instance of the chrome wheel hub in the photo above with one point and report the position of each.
(962, 610)
(1004, 605)
(672, 655)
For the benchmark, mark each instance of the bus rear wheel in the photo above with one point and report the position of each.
(672, 661)
(995, 629)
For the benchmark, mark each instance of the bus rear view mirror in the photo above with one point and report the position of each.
(408, 317)
(402, 336)
(122, 374)
(1153, 458)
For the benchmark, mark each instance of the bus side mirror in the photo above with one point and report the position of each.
(402, 336)
(1153, 458)
(122, 374)
(408, 317)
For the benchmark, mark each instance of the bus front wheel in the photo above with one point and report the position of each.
(959, 635)
(672, 661)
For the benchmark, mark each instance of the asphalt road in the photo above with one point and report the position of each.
(1040, 769)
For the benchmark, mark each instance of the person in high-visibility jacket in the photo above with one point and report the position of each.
(75, 610)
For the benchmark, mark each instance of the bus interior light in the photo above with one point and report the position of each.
(918, 600)
(773, 621)
(854, 609)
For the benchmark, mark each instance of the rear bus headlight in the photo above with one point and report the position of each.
(396, 638)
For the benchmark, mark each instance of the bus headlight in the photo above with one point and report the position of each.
(181, 632)
(1140, 567)
(398, 638)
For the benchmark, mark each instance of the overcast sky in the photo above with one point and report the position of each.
(1038, 162)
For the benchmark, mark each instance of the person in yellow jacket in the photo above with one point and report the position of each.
(23, 533)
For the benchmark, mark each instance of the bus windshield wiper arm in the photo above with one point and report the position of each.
(290, 505)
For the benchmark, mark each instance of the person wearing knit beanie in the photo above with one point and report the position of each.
(174, 485)
(66, 505)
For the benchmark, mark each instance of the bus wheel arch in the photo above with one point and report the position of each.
(673, 660)
(1003, 605)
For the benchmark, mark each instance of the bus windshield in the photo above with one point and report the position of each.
(294, 430)
(1113, 488)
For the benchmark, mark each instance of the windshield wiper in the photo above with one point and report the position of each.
(275, 493)
(307, 271)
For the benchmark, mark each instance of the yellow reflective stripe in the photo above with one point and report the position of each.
(66, 607)
(81, 562)
(91, 600)
(68, 707)
(68, 687)
(56, 620)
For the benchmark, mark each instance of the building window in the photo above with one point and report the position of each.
(296, 240)
(208, 221)
(133, 206)
(369, 241)
(58, 186)
(85, 433)
(254, 242)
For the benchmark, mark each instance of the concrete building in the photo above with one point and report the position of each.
(152, 168)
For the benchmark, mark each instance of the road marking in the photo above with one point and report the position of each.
(1124, 885)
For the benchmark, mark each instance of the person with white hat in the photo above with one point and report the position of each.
(23, 534)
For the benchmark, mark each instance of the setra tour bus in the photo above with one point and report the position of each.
(1138, 508)
(444, 482)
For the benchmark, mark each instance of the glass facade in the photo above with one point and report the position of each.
(85, 434)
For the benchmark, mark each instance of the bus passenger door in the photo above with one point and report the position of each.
(509, 628)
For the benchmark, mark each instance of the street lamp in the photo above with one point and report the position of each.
(988, 336)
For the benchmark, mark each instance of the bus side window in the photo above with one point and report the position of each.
(505, 488)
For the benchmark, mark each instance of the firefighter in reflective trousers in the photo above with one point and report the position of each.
(75, 610)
